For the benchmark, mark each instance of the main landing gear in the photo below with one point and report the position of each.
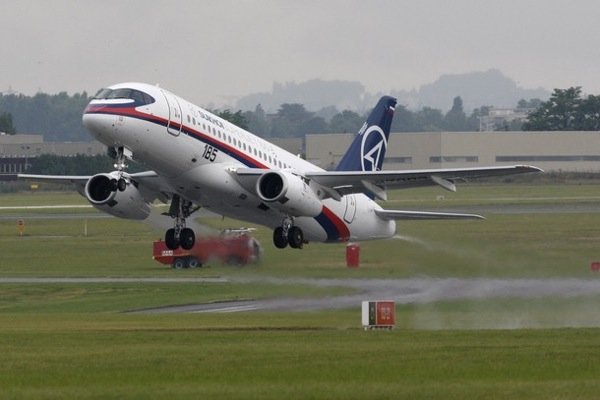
(286, 234)
(180, 235)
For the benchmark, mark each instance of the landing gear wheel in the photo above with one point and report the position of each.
(121, 185)
(113, 185)
(170, 240)
(295, 237)
(279, 239)
(187, 238)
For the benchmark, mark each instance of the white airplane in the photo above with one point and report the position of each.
(198, 159)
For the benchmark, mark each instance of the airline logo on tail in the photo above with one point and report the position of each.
(373, 147)
(367, 151)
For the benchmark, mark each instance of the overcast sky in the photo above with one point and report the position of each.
(215, 51)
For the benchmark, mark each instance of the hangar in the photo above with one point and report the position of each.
(568, 151)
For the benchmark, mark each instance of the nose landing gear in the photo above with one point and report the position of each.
(120, 155)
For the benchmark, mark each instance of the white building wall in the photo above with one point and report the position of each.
(552, 151)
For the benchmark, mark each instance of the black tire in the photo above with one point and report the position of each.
(187, 238)
(122, 185)
(170, 241)
(113, 185)
(179, 263)
(193, 262)
(279, 240)
(295, 237)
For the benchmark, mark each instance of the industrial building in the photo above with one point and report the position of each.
(17, 151)
(553, 151)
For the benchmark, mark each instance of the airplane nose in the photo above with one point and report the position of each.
(100, 126)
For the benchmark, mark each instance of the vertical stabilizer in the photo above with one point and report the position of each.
(367, 151)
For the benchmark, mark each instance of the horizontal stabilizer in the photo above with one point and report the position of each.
(402, 214)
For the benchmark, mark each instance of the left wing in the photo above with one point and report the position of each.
(150, 183)
(339, 183)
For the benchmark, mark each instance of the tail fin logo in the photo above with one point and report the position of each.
(373, 147)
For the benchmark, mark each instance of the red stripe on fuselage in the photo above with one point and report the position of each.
(132, 112)
(343, 231)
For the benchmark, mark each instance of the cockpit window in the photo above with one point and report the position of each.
(139, 98)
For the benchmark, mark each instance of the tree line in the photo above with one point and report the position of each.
(58, 117)
(566, 110)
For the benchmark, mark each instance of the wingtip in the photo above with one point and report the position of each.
(529, 168)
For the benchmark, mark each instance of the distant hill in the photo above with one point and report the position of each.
(487, 88)
(314, 94)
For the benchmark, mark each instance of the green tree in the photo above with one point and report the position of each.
(6, 124)
(532, 103)
(429, 120)
(562, 112)
(291, 121)
(589, 114)
(73, 165)
(474, 120)
(455, 120)
(57, 117)
(404, 120)
(236, 118)
(257, 121)
(346, 122)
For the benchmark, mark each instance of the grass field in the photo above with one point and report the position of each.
(74, 341)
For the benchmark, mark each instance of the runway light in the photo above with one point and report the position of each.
(21, 226)
(595, 266)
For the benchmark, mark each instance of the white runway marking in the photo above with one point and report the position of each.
(44, 207)
(231, 309)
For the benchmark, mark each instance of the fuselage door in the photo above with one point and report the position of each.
(175, 119)
(350, 208)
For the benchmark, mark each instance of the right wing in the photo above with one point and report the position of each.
(339, 183)
(377, 182)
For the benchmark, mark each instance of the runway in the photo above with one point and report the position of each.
(402, 291)
(580, 294)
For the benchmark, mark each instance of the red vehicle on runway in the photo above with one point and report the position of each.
(230, 247)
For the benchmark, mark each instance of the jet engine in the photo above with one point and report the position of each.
(103, 194)
(289, 193)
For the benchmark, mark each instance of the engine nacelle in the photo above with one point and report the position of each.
(288, 193)
(128, 204)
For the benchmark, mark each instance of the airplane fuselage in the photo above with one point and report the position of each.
(196, 152)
